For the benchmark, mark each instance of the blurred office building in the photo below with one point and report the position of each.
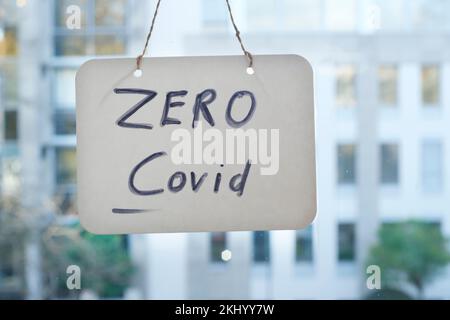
(382, 74)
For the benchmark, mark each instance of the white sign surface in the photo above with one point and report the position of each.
(195, 144)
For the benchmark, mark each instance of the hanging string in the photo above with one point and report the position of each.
(238, 36)
(147, 41)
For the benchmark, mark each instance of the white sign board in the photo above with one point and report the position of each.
(195, 144)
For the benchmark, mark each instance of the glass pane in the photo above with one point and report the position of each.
(65, 166)
(66, 202)
(61, 13)
(346, 242)
(388, 14)
(432, 166)
(8, 84)
(217, 246)
(405, 41)
(9, 171)
(430, 85)
(387, 85)
(109, 45)
(110, 13)
(64, 122)
(214, 14)
(303, 14)
(341, 15)
(64, 84)
(389, 163)
(261, 13)
(304, 245)
(430, 15)
(346, 86)
(261, 246)
(74, 45)
(346, 162)
(8, 41)
(10, 126)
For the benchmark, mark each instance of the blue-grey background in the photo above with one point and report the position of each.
(382, 80)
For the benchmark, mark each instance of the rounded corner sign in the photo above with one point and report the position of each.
(195, 144)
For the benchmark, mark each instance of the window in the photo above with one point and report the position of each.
(8, 84)
(261, 246)
(387, 85)
(302, 14)
(304, 245)
(8, 41)
(110, 13)
(65, 201)
(64, 101)
(215, 14)
(346, 164)
(64, 122)
(346, 86)
(8, 29)
(9, 169)
(218, 245)
(389, 164)
(102, 32)
(65, 166)
(430, 85)
(432, 164)
(284, 15)
(65, 88)
(346, 242)
(261, 14)
(340, 15)
(10, 125)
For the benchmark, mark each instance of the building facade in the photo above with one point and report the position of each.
(381, 71)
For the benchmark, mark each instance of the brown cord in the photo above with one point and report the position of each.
(141, 56)
(238, 36)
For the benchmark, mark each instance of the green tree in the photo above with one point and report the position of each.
(105, 265)
(13, 231)
(411, 251)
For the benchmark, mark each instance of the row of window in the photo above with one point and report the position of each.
(431, 164)
(346, 92)
(303, 245)
(64, 94)
(346, 244)
(9, 153)
(332, 15)
(103, 28)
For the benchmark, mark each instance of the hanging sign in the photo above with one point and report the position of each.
(195, 144)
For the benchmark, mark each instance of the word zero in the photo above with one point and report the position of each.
(202, 101)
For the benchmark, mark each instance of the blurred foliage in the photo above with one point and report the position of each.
(13, 231)
(106, 268)
(413, 252)
(388, 294)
